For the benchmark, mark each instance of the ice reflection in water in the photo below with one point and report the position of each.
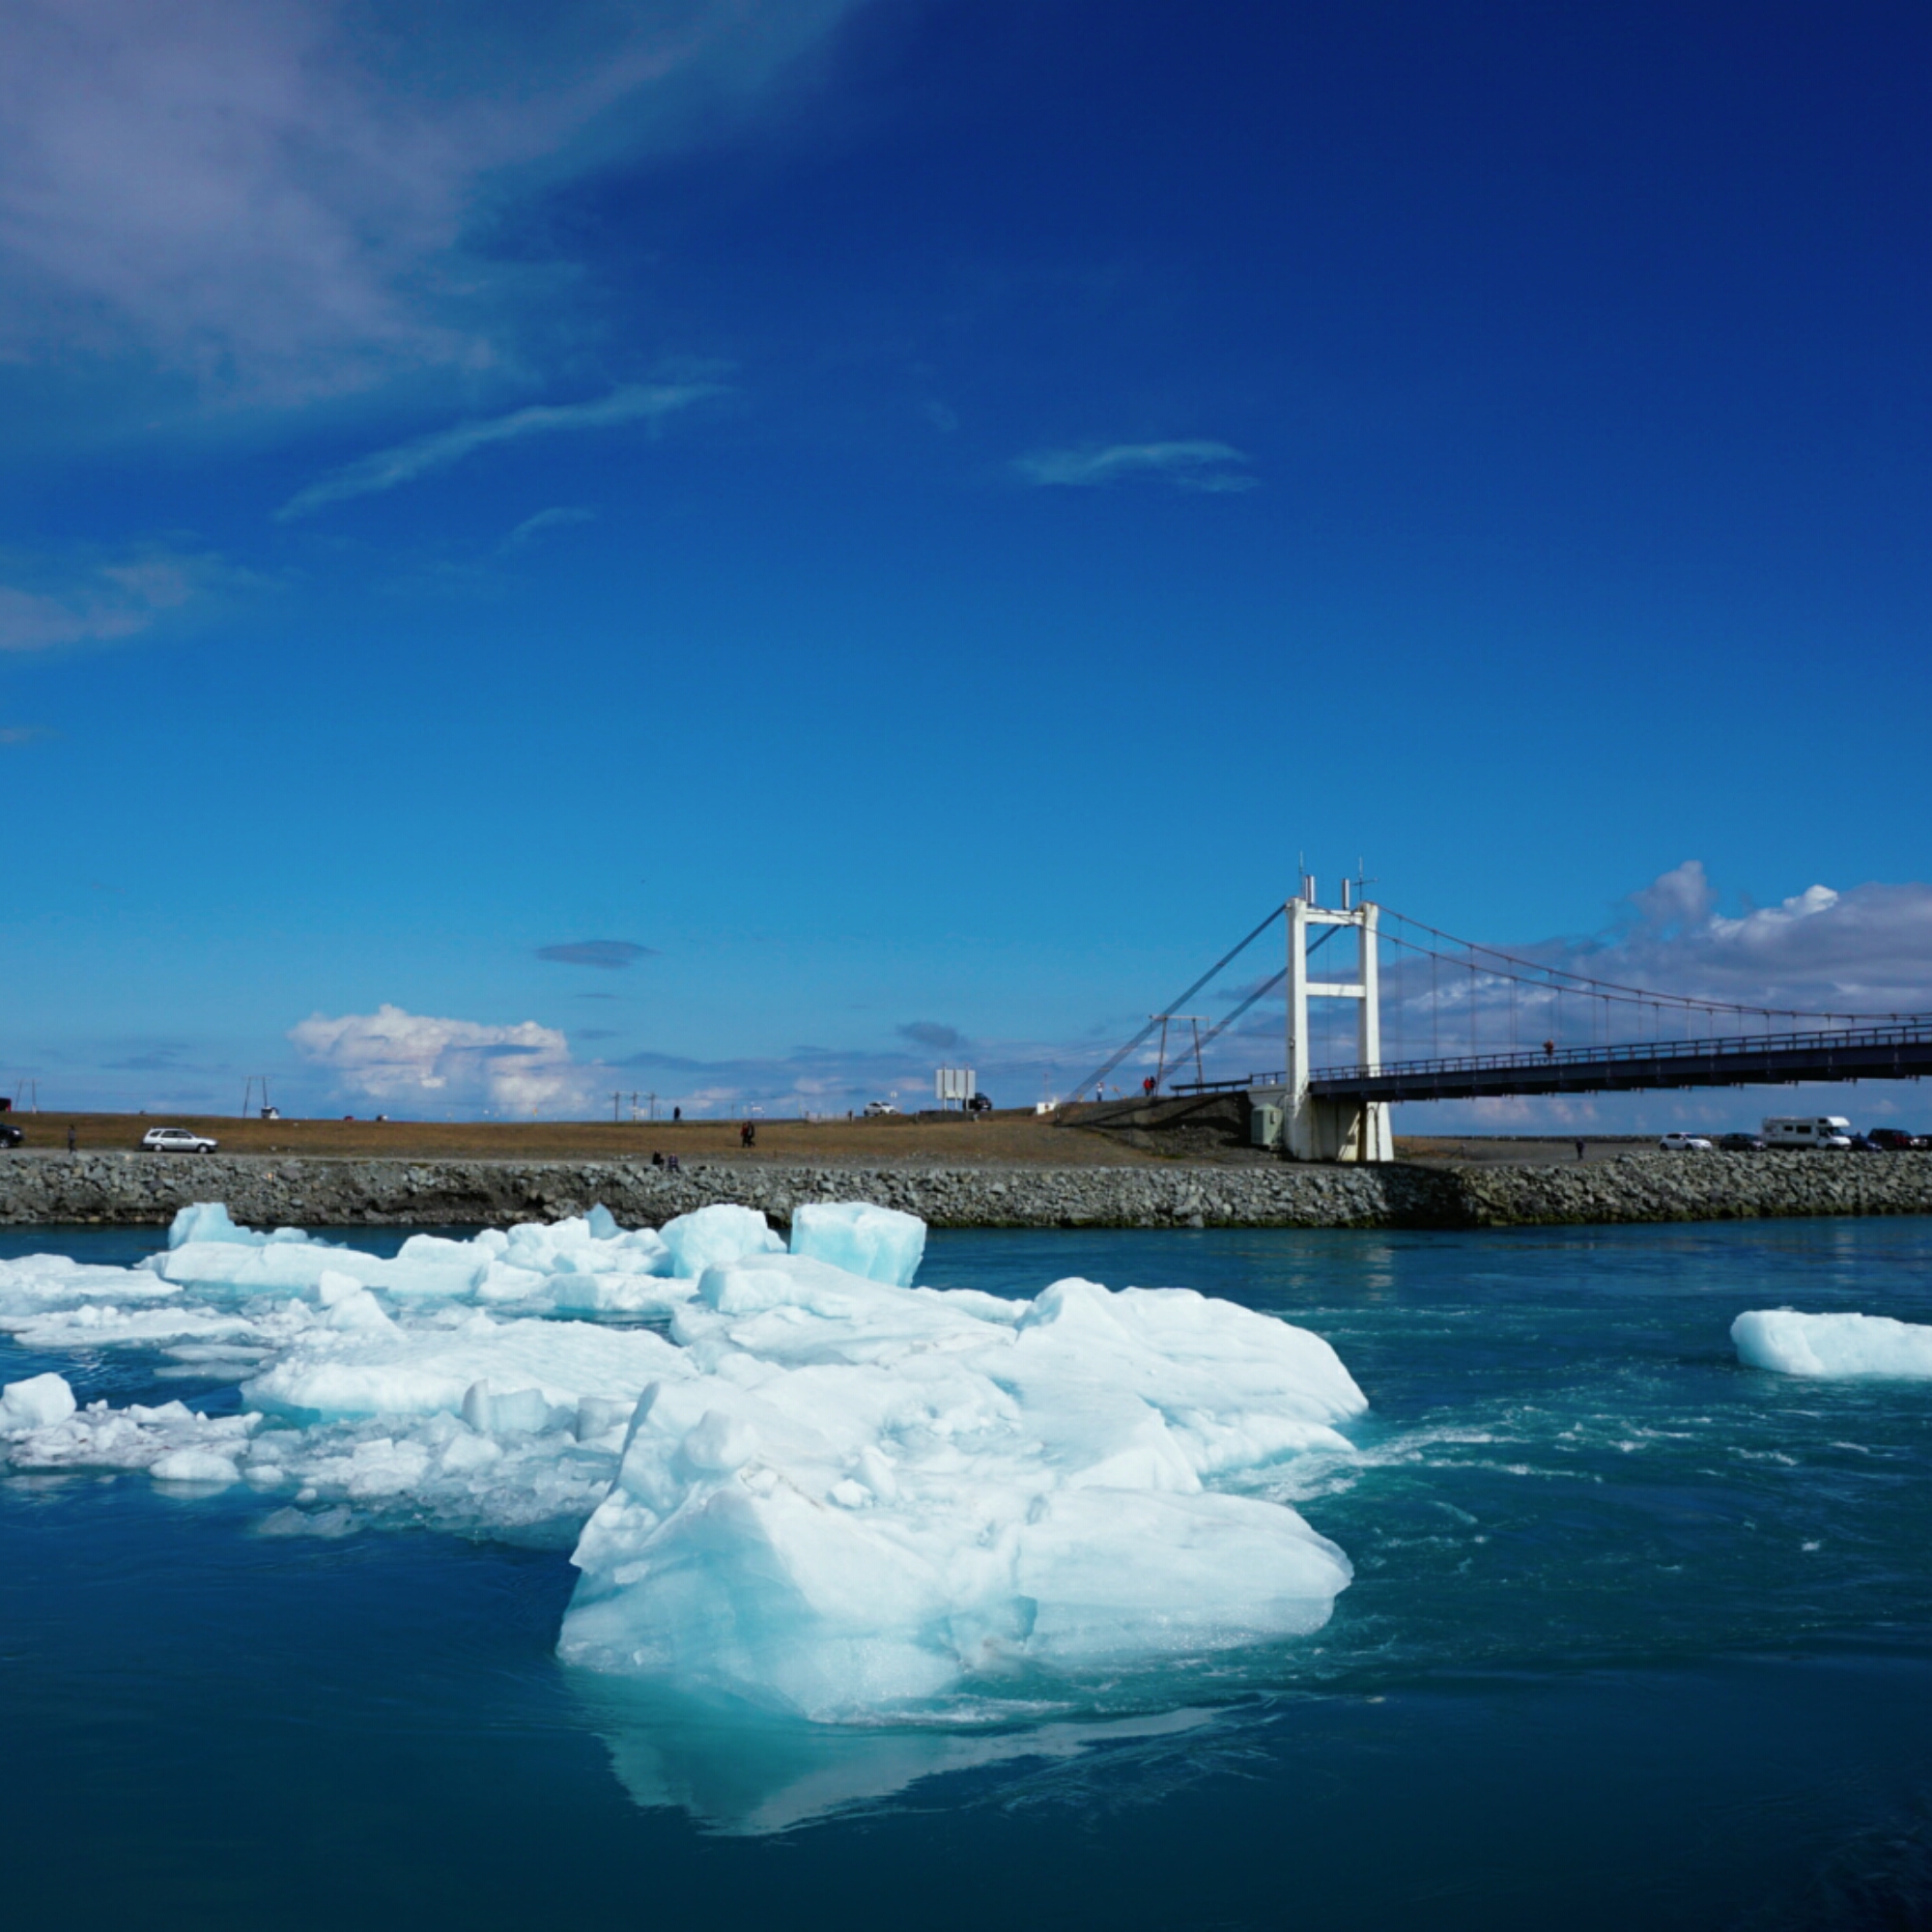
(747, 1773)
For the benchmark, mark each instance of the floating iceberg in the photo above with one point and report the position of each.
(1833, 1346)
(825, 1493)
(872, 1497)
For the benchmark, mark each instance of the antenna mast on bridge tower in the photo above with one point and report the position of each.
(1312, 1128)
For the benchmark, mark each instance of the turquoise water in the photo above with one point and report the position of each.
(1636, 1635)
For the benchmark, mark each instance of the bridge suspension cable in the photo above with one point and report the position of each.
(1470, 954)
(1097, 1077)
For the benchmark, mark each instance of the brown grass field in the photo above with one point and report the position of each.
(1011, 1138)
(999, 1138)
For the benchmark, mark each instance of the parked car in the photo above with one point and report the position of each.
(1895, 1140)
(979, 1104)
(177, 1140)
(1741, 1143)
(10, 1137)
(878, 1109)
(1864, 1143)
(1685, 1144)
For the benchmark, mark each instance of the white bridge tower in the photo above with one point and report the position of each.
(1312, 1127)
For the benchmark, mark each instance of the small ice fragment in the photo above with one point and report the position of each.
(598, 1416)
(37, 1403)
(208, 1221)
(194, 1465)
(330, 1522)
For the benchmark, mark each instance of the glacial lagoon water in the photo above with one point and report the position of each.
(1636, 1635)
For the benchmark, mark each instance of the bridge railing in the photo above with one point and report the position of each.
(1239, 1086)
(1909, 1030)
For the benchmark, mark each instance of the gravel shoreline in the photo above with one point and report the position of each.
(137, 1189)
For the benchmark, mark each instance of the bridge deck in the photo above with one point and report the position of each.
(1902, 1051)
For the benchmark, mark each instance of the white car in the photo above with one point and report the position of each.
(177, 1140)
(1685, 1144)
(877, 1109)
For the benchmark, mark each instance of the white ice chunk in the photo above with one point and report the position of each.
(1832, 1345)
(37, 1403)
(713, 1236)
(208, 1221)
(349, 1305)
(618, 1293)
(194, 1465)
(880, 1243)
(135, 1437)
(397, 1372)
(297, 1268)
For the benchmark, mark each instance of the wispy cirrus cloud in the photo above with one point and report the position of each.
(286, 199)
(100, 600)
(405, 461)
(559, 518)
(608, 954)
(1216, 467)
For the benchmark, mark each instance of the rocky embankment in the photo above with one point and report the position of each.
(135, 1189)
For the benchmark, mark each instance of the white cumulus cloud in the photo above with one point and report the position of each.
(413, 1058)
(1863, 948)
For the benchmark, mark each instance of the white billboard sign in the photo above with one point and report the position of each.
(954, 1083)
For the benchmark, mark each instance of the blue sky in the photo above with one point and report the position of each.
(912, 516)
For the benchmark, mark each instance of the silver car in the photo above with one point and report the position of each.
(177, 1140)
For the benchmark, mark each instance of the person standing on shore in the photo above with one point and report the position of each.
(73, 1139)
(1580, 1147)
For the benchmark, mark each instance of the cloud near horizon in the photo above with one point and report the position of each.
(1864, 950)
(608, 954)
(396, 1056)
(404, 462)
(1210, 466)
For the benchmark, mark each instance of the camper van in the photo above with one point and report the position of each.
(1808, 1130)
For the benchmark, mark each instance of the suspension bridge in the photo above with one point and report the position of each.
(1495, 1025)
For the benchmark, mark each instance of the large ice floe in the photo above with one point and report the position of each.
(1833, 1346)
(787, 1475)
